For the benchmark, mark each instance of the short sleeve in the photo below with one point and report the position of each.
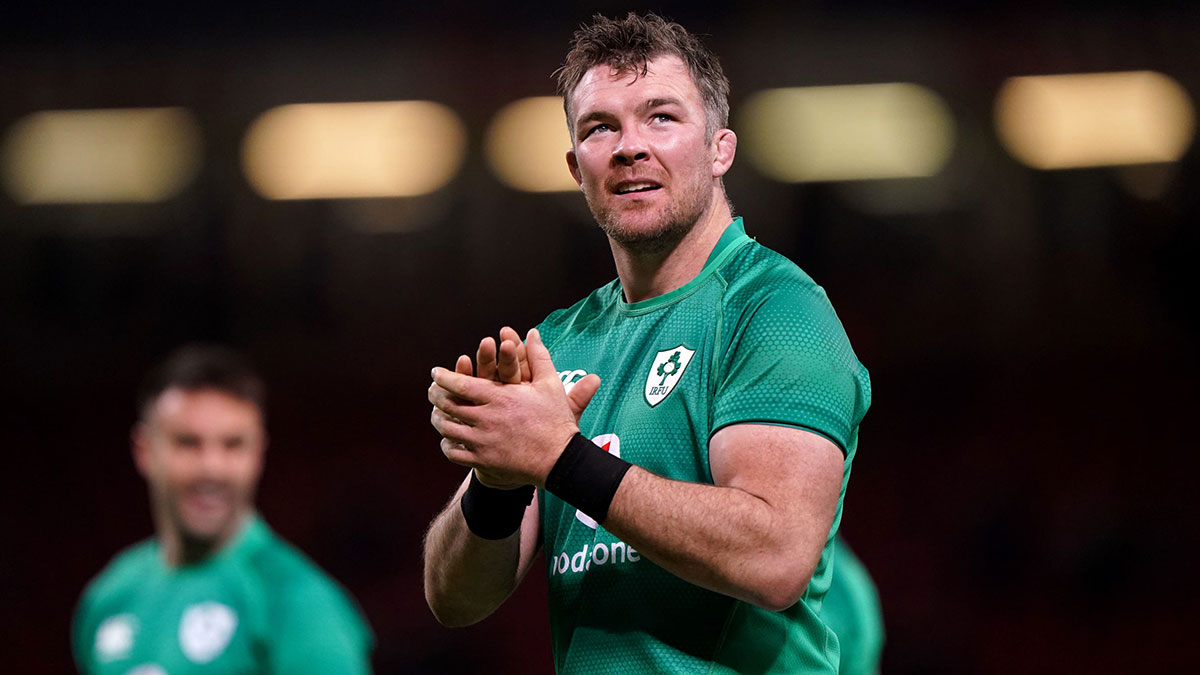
(786, 360)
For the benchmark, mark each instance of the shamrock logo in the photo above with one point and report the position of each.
(664, 371)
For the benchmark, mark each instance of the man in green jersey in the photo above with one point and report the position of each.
(852, 610)
(215, 591)
(689, 427)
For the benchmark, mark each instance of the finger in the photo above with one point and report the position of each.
(507, 333)
(485, 359)
(508, 368)
(450, 428)
(523, 360)
(463, 365)
(452, 406)
(436, 394)
(541, 366)
(457, 453)
(473, 389)
(448, 444)
(582, 392)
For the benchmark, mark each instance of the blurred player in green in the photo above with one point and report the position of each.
(215, 590)
(681, 442)
(852, 610)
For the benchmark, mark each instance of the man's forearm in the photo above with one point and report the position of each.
(720, 538)
(467, 577)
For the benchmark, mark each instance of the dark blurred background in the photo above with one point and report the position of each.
(1023, 493)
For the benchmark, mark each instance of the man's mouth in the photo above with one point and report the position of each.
(209, 496)
(635, 186)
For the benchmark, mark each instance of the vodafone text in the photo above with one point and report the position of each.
(598, 554)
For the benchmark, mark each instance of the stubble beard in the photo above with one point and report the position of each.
(677, 219)
(197, 539)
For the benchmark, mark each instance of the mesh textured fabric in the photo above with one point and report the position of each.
(752, 339)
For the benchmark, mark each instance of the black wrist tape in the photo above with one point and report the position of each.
(492, 513)
(587, 477)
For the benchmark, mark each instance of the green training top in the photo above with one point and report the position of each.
(256, 606)
(752, 339)
(852, 610)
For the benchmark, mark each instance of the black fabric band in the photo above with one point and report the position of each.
(493, 513)
(587, 477)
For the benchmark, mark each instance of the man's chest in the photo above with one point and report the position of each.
(172, 627)
(657, 381)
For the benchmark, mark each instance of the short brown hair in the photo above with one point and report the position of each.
(628, 44)
(197, 367)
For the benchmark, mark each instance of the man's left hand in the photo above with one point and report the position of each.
(513, 433)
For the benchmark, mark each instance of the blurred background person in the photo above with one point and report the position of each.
(215, 590)
(852, 610)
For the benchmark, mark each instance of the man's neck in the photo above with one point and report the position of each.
(646, 275)
(178, 549)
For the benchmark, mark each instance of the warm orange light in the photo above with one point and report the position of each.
(95, 156)
(527, 145)
(1095, 119)
(346, 150)
(853, 132)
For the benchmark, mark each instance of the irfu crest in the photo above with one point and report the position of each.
(665, 372)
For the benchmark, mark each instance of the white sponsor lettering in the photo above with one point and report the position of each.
(600, 554)
(147, 669)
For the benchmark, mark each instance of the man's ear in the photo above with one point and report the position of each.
(573, 165)
(724, 147)
(139, 443)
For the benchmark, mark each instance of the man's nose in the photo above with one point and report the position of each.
(214, 459)
(632, 147)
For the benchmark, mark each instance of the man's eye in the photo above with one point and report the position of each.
(662, 117)
(598, 127)
(187, 442)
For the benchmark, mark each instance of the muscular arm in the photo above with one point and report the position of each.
(757, 534)
(468, 577)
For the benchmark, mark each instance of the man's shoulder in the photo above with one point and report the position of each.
(755, 274)
(581, 313)
(118, 583)
(278, 563)
(288, 577)
(128, 568)
(293, 590)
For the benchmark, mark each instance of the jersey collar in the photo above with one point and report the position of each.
(248, 538)
(731, 240)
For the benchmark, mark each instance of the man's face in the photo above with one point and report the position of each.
(201, 453)
(642, 155)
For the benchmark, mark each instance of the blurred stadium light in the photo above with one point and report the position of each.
(527, 143)
(99, 156)
(348, 150)
(1094, 119)
(852, 132)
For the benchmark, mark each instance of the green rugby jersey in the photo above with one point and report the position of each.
(852, 610)
(752, 339)
(256, 606)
